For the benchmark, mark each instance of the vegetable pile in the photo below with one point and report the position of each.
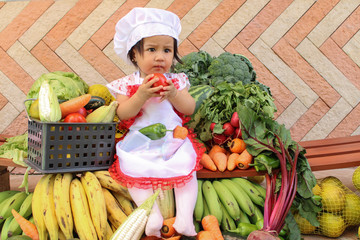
(219, 107)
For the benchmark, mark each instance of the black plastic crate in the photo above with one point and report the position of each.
(70, 147)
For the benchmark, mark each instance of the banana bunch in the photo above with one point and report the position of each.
(89, 205)
(237, 203)
(21, 202)
(103, 114)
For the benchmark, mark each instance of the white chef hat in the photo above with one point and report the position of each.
(144, 22)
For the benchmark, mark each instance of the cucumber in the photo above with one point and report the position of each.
(94, 103)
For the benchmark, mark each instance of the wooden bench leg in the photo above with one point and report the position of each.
(4, 179)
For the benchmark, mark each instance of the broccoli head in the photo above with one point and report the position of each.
(235, 65)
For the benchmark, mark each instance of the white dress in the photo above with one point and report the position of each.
(146, 163)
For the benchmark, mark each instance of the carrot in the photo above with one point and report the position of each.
(244, 160)
(215, 149)
(26, 226)
(207, 162)
(180, 132)
(173, 238)
(210, 223)
(73, 105)
(168, 230)
(204, 235)
(231, 163)
(220, 160)
(237, 145)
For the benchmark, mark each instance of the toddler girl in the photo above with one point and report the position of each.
(148, 38)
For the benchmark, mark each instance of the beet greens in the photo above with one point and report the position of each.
(287, 188)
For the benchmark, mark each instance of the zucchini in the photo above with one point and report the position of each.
(94, 103)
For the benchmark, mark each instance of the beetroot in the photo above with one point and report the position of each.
(262, 235)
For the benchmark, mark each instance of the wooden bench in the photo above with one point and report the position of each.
(325, 154)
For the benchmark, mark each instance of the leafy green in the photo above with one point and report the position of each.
(262, 134)
(195, 65)
(15, 148)
(66, 85)
(220, 106)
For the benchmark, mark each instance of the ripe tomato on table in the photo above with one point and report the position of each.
(75, 117)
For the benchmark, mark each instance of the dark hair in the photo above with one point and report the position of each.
(139, 46)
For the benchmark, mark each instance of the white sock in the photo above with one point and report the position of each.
(185, 198)
(155, 220)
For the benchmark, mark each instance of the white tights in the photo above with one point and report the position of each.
(185, 199)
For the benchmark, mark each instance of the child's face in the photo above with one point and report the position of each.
(157, 57)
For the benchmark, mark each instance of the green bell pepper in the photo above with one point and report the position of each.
(154, 131)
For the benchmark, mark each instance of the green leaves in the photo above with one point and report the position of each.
(225, 100)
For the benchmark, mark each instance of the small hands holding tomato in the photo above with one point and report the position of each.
(155, 85)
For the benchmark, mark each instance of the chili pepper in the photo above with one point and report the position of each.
(244, 229)
(263, 162)
(154, 131)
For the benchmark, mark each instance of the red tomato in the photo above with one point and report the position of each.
(83, 111)
(161, 82)
(75, 117)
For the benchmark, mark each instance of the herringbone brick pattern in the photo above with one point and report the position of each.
(306, 51)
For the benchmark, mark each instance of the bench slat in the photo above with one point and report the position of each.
(330, 142)
(335, 161)
(333, 150)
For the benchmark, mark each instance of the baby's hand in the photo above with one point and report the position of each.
(146, 90)
(169, 91)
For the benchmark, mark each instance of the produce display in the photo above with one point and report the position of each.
(233, 118)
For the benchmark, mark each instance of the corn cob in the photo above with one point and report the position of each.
(166, 203)
(134, 226)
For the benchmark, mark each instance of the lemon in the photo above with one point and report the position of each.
(304, 225)
(332, 180)
(351, 211)
(356, 178)
(316, 190)
(333, 197)
(331, 225)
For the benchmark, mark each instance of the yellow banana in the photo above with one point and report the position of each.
(108, 182)
(36, 205)
(115, 215)
(96, 201)
(212, 200)
(62, 203)
(126, 205)
(80, 211)
(227, 199)
(109, 231)
(240, 195)
(49, 207)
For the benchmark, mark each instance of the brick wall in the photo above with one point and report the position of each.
(306, 51)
